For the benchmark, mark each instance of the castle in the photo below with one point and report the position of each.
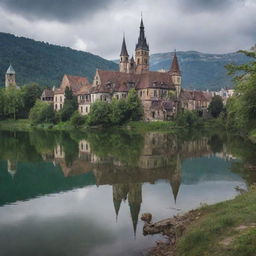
(160, 92)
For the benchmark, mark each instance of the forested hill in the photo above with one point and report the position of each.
(44, 63)
(200, 70)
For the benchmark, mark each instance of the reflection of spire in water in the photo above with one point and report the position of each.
(135, 200)
(176, 179)
(12, 167)
(120, 192)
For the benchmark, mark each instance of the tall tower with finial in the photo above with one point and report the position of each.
(10, 79)
(142, 52)
(176, 74)
(124, 58)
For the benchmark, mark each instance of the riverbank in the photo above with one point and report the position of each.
(223, 229)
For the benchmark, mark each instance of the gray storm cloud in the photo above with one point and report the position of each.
(63, 10)
(97, 26)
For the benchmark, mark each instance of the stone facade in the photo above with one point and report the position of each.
(160, 92)
(10, 77)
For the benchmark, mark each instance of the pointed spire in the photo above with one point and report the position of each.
(10, 70)
(175, 69)
(132, 59)
(142, 41)
(124, 49)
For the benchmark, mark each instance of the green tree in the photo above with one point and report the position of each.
(241, 108)
(77, 119)
(2, 115)
(119, 111)
(216, 106)
(30, 93)
(70, 105)
(42, 112)
(100, 114)
(135, 110)
(13, 101)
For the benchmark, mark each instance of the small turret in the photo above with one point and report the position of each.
(176, 74)
(132, 66)
(124, 58)
(10, 77)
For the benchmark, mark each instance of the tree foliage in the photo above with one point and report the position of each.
(117, 112)
(241, 108)
(216, 106)
(42, 112)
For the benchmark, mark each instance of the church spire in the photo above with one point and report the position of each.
(142, 42)
(124, 49)
(175, 69)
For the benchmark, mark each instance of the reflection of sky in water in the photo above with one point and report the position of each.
(83, 221)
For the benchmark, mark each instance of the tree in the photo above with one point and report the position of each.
(100, 114)
(216, 106)
(30, 93)
(42, 112)
(77, 119)
(70, 105)
(13, 101)
(135, 110)
(2, 116)
(241, 108)
(119, 111)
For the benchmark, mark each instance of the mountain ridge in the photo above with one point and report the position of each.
(45, 63)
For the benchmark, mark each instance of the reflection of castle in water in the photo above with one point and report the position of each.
(158, 158)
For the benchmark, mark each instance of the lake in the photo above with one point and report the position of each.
(83, 193)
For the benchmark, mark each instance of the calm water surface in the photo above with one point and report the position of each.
(83, 194)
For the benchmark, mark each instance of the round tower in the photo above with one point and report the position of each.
(124, 58)
(10, 79)
(142, 52)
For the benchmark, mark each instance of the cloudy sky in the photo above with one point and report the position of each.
(97, 26)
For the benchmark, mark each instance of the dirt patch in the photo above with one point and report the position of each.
(172, 229)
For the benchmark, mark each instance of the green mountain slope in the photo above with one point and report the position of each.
(44, 63)
(200, 70)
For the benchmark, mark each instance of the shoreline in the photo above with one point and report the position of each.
(218, 229)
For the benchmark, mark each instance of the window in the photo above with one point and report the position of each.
(60, 106)
(147, 92)
(155, 93)
(140, 93)
(101, 97)
(56, 106)
(86, 109)
(153, 114)
(117, 96)
(60, 99)
(138, 61)
(81, 109)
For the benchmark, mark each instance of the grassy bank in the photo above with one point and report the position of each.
(25, 125)
(224, 229)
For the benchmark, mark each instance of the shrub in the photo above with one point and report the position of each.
(77, 119)
(42, 112)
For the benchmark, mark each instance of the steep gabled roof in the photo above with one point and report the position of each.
(47, 93)
(73, 82)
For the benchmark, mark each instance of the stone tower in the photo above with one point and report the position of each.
(176, 74)
(124, 58)
(142, 52)
(10, 77)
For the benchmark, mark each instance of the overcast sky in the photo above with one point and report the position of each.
(97, 26)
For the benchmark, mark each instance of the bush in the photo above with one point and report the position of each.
(216, 106)
(77, 119)
(188, 118)
(42, 112)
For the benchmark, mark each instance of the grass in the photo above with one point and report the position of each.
(141, 126)
(224, 229)
(15, 125)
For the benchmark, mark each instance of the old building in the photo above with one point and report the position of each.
(160, 92)
(47, 95)
(10, 77)
(74, 83)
